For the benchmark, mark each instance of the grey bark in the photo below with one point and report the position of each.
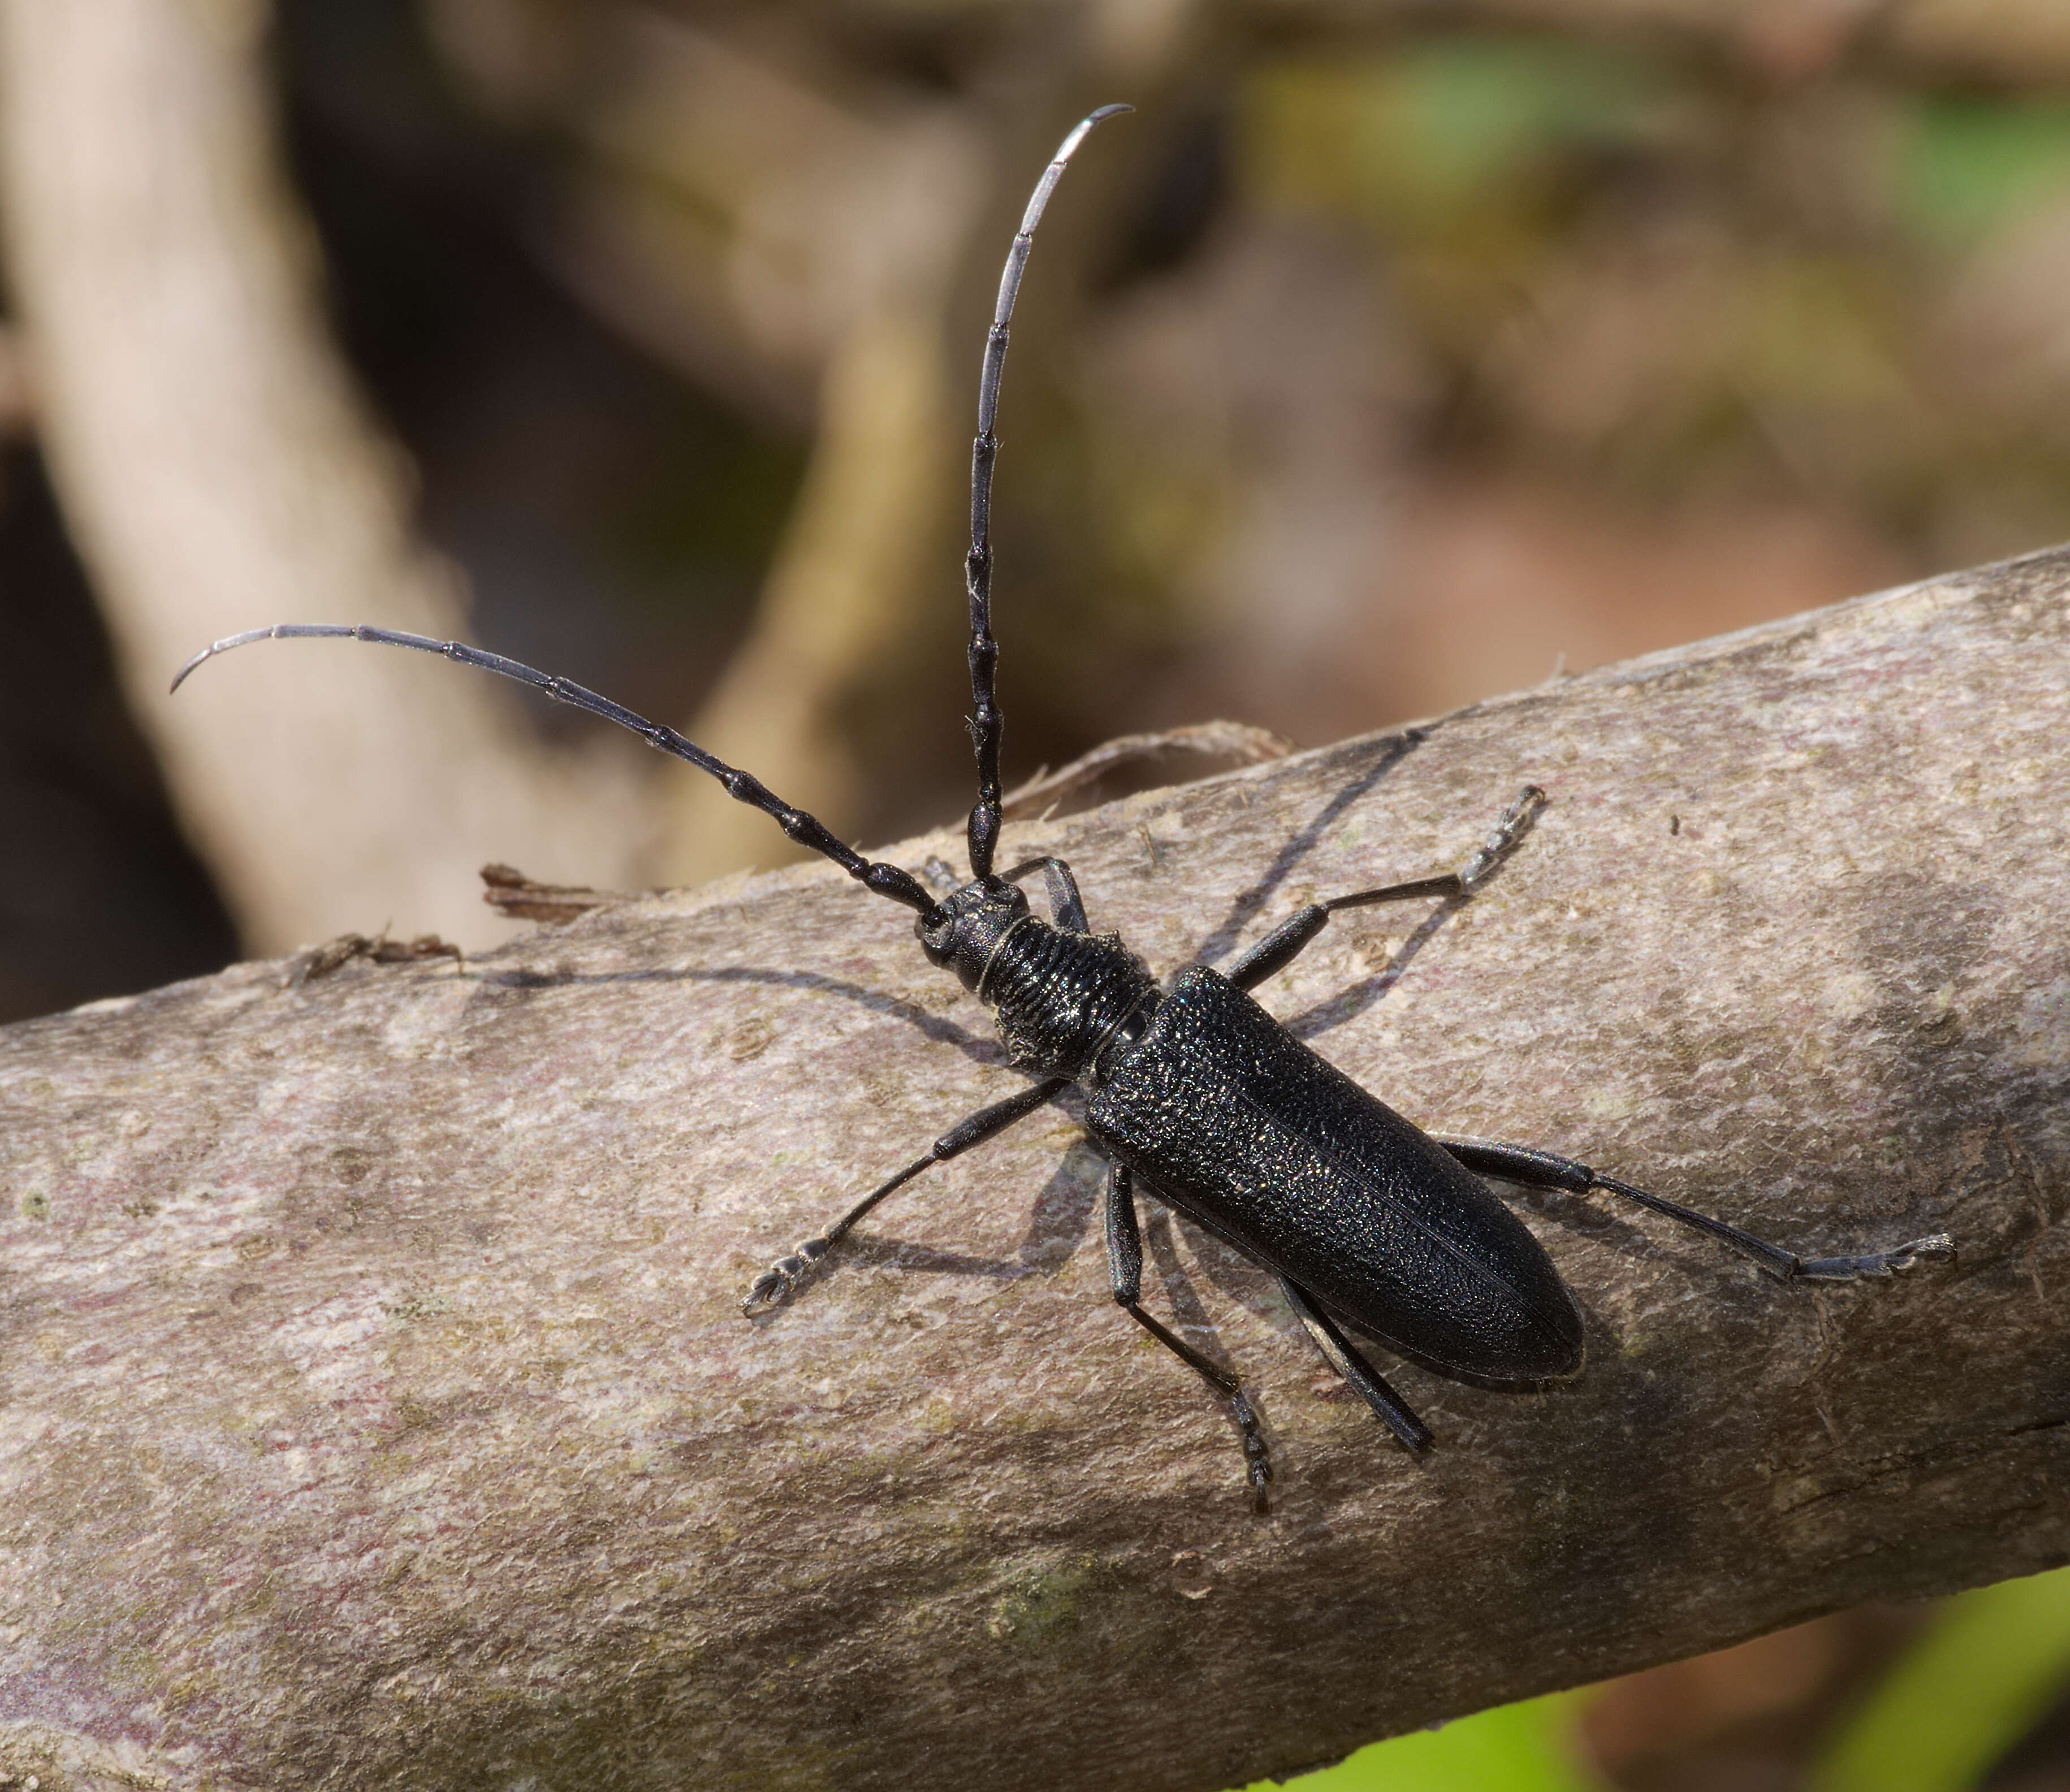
(378, 1412)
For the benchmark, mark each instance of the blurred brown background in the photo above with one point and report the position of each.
(1393, 355)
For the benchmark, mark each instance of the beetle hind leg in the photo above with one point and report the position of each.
(1543, 1169)
(1124, 1262)
(1339, 1354)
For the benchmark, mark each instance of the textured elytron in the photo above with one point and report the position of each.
(1238, 1123)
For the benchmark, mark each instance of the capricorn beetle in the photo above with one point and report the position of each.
(1193, 1087)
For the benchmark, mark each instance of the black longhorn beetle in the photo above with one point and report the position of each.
(1194, 1088)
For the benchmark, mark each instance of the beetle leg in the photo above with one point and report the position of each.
(781, 1278)
(1339, 1354)
(1285, 943)
(1065, 904)
(1124, 1264)
(1518, 1163)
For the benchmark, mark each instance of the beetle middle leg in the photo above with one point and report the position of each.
(1285, 943)
(1544, 1170)
(783, 1276)
(1124, 1265)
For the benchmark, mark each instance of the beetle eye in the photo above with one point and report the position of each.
(936, 931)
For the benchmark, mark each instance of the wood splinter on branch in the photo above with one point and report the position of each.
(510, 892)
(380, 1411)
(1239, 743)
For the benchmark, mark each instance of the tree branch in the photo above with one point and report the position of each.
(380, 1412)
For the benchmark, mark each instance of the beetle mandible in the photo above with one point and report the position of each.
(1192, 1086)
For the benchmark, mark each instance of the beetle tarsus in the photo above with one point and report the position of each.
(1937, 1246)
(780, 1280)
(1503, 838)
(1257, 1457)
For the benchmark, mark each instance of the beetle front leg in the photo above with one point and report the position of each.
(1543, 1169)
(1287, 942)
(1065, 904)
(781, 1277)
(1124, 1264)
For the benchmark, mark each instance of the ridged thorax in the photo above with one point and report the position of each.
(1067, 1003)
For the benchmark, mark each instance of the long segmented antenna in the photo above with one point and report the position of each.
(985, 721)
(881, 879)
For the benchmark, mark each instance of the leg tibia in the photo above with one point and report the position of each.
(1124, 1263)
(1339, 1353)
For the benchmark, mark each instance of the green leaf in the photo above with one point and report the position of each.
(1984, 1673)
(1520, 1748)
(1967, 164)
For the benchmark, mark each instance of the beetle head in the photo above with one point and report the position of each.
(963, 930)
